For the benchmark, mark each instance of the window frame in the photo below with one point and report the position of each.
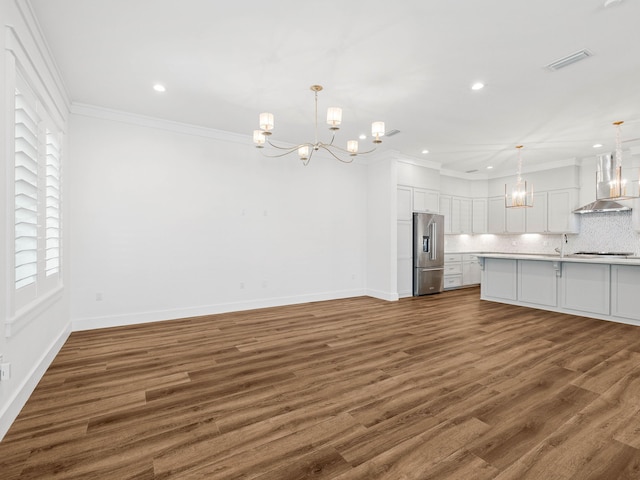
(31, 300)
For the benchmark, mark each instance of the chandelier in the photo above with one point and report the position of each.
(517, 195)
(611, 181)
(305, 150)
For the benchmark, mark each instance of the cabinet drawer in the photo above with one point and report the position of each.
(452, 257)
(455, 269)
(453, 281)
(469, 257)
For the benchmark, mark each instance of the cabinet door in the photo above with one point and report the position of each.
(499, 279)
(405, 258)
(471, 272)
(536, 216)
(455, 215)
(425, 200)
(496, 215)
(560, 206)
(585, 287)
(464, 214)
(537, 282)
(445, 209)
(515, 220)
(625, 301)
(404, 203)
(479, 215)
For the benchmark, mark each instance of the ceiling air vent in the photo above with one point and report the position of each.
(391, 133)
(568, 60)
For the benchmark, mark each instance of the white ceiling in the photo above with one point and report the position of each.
(410, 63)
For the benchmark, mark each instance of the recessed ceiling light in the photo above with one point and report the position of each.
(597, 145)
(159, 88)
(489, 167)
(362, 136)
(425, 151)
(477, 86)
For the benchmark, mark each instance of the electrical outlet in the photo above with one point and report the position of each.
(5, 371)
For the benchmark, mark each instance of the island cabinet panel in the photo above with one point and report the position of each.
(585, 287)
(537, 283)
(499, 279)
(625, 291)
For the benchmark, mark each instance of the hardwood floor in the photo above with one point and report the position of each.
(438, 387)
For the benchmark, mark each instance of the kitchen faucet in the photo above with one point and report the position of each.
(563, 241)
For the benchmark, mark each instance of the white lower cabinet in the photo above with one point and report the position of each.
(452, 270)
(537, 283)
(625, 301)
(471, 272)
(499, 279)
(585, 287)
(405, 258)
(597, 290)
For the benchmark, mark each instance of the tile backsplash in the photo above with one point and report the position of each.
(602, 232)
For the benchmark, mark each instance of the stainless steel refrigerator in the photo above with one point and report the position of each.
(428, 253)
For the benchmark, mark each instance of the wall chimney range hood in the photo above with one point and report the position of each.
(607, 177)
(602, 206)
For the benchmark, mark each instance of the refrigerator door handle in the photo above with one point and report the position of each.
(434, 245)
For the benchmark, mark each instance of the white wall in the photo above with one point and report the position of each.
(31, 334)
(169, 224)
(381, 240)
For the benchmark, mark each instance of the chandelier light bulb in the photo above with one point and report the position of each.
(334, 117)
(303, 152)
(352, 147)
(259, 138)
(266, 123)
(377, 130)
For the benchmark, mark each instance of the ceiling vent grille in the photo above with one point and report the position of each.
(568, 60)
(391, 133)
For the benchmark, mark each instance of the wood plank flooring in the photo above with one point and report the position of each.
(439, 387)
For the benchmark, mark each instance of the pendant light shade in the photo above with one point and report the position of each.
(518, 194)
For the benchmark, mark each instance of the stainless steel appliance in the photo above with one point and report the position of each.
(428, 253)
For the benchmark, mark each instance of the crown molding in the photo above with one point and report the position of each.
(120, 116)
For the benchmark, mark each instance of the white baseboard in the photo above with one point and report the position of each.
(91, 323)
(389, 296)
(22, 393)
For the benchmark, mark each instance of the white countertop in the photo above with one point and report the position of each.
(566, 258)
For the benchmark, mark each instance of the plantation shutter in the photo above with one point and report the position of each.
(52, 202)
(26, 189)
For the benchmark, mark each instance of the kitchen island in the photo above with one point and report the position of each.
(602, 287)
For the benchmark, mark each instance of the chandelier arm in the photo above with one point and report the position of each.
(288, 148)
(288, 151)
(325, 146)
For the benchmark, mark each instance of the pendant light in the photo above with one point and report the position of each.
(518, 195)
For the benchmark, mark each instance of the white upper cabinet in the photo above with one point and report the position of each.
(445, 209)
(479, 215)
(516, 220)
(460, 215)
(404, 203)
(536, 216)
(496, 215)
(560, 206)
(425, 200)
